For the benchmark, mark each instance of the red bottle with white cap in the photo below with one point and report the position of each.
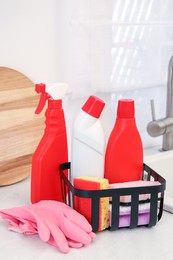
(124, 151)
(52, 149)
(88, 143)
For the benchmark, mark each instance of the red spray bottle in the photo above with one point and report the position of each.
(52, 149)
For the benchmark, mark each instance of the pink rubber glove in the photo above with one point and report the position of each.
(21, 221)
(28, 227)
(55, 222)
(58, 221)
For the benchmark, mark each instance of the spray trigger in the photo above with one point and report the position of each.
(41, 88)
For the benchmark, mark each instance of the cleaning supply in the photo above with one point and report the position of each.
(125, 215)
(83, 205)
(88, 143)
(54, 222)
(124, 151)
(52, 149)
(130, 184)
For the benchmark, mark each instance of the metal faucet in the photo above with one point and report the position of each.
(164, 126)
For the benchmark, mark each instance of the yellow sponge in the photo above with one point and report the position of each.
(83, 205)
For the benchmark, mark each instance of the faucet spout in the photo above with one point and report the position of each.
(164, 126)
(168, 137)
(169, 107)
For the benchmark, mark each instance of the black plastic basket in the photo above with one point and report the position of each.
(156, 198)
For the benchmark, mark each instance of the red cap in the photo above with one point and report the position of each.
(126, 108)
(93, 106)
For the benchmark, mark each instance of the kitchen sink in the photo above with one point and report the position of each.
(162, 163)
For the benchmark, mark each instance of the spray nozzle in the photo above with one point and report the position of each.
(54, 91)
(41, 88)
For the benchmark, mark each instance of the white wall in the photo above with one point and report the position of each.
(27, 41)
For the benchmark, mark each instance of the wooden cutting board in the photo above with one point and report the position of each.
(20, 129)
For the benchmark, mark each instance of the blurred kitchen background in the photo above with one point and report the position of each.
(109, 48)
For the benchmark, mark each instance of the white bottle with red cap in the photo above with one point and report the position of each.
(88, 142)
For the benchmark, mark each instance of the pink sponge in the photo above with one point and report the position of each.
(130, 184)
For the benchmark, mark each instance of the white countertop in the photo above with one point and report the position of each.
(125, 244)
